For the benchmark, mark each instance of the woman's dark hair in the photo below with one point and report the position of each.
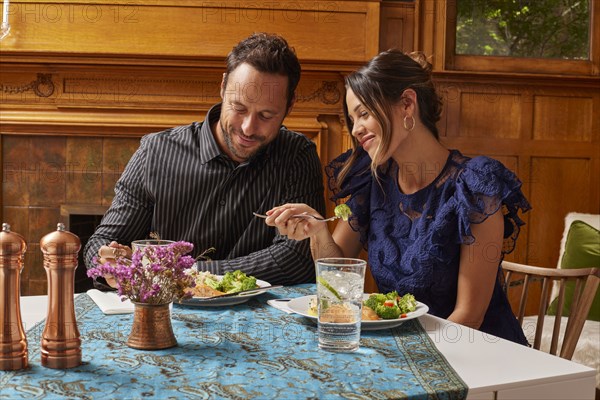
(380, 84)
(267, 53)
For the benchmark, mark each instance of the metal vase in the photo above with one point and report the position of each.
(151, 329)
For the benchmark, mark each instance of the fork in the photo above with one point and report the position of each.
(302, 216)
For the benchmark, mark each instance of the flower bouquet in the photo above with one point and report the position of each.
(152, 279)
(155, 274)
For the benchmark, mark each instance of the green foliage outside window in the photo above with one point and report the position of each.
(524, 28)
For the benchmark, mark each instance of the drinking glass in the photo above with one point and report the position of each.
(340, 286)
(142, 244)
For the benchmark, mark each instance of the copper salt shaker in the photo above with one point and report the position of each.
(13, 342)
(61, 346)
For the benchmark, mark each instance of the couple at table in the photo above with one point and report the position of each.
(435, 223)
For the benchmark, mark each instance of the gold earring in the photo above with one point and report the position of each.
(413, 123)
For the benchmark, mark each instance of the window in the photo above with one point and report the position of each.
(531, 36)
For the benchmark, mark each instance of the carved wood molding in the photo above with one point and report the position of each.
(43, 86)
(328, 93)
(102, 88)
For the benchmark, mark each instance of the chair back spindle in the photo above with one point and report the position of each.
(586, 281)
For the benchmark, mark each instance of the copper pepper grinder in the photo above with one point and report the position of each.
(61, 346)
(13, 342)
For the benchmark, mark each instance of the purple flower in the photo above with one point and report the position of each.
(154, 275)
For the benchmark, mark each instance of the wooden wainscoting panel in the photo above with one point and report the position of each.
(558, 186)
(563, 118)
(479, 109)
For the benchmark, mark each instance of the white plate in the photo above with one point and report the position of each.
(299, 305)
(225, 301)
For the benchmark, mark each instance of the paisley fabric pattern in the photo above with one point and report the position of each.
(248, 351)
(414, 241)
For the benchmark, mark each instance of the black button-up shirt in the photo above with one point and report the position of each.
(180, 185)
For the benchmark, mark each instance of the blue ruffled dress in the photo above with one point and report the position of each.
(413, 241)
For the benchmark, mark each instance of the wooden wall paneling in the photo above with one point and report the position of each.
(563, 117)
(522, 123)
(450, 94)
(523, 171)
(490, 115)
(525, 92)
(397, 26)
(171, 29)
(557, 185)
(430, 30)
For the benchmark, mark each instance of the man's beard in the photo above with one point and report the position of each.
(243, 155)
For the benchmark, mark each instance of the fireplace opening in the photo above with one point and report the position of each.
(82, 221)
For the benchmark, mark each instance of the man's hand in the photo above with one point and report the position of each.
(109, 254)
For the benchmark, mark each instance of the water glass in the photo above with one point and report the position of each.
(142, 244)
(340, 286)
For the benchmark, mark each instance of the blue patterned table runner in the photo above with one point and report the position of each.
(248, 351)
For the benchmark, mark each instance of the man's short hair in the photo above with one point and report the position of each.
(267, 53)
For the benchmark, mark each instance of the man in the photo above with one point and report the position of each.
(201, 182)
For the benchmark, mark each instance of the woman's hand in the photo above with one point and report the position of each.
(296, 228)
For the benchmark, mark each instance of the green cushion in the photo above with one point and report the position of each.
(582, 250)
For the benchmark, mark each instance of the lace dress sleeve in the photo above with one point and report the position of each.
(483, 187)
(354, 191)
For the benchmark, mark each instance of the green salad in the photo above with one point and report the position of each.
(390, 305)
(232, 282)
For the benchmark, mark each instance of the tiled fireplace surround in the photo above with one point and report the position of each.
(48, 178)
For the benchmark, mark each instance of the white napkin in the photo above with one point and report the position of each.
(280, 305)
(110, 302)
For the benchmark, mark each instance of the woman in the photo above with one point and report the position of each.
(436, 223)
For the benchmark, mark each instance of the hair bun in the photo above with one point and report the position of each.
(420, 58)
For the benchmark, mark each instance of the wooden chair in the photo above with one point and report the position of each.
(586, 284)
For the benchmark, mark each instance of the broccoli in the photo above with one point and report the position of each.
(249, 283)
(392, 295)
(232, 287)
(236, 281)
(374, 300)
(407, 303)
(387, 312)
(342, 211)
(390, 305)
(213, 283)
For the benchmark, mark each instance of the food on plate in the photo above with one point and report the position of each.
(342, 211)
(377, 307)
(312, 306)
(369, 315)
(338, 313)
(391, 305)
(208, 285)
